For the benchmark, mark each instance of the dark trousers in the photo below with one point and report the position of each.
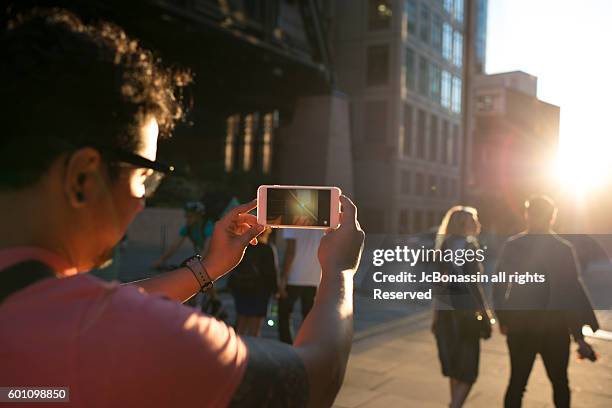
(306, 294)
(554, 347)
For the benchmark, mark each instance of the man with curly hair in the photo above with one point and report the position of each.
(83, 108)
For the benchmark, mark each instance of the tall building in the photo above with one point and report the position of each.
(514, 146)
(475, 56)
(401, 63)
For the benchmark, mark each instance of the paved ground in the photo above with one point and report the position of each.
(397, 366)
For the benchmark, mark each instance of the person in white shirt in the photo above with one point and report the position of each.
(300, 277)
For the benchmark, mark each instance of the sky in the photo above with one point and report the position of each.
(567, 44)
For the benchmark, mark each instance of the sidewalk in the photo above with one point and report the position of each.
(397, 366)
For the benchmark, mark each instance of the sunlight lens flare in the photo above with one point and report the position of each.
(581, 169)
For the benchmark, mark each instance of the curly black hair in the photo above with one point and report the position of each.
(79, 83)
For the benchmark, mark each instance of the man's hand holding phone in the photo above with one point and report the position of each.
(340, 249)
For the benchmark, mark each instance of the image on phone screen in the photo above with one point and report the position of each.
(305, 207)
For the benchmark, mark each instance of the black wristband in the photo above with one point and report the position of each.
(194, 264)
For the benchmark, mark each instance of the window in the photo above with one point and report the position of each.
(410, 69)
(481, 34)
(405, 182)
(419, 184)
(233, 124)
(407, 129)
(455, 145)
(247, 152)
(421, 134)
(433, 138)
(411, 11)
(435, 76)
(404, 221)
(424, 23)
(423, 77)
(458, 12)
(378, 65)
(447, 41)
(445, 96)
(436, 33)
(375, 121)
(458, 49)
(269, 123)
(448, 6)
(432, 186)
(486, 103)
(379, 14)
(456, 96)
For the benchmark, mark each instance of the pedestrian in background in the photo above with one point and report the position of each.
(460, 317)
(252, 283)
(538, 318)
(300, 277)
(196, 230)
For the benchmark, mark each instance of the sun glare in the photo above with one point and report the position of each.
(580, 85)
(582, 166)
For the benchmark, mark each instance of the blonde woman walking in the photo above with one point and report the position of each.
(460, 317)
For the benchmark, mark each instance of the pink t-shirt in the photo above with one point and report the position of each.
(112, 345)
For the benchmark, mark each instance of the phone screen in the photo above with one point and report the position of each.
(298, 206)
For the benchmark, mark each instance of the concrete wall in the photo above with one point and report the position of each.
(156, 228)
(315, 148)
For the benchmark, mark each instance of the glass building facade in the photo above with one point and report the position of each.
(416, 88)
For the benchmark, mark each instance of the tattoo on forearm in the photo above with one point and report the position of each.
(275, 377)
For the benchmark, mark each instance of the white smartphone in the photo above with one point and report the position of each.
(298, 206)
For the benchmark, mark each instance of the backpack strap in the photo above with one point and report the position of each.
(21, 275)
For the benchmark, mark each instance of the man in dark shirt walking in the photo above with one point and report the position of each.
(539, 317)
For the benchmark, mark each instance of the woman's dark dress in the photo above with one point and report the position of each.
(253, 281)
(457, 329)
